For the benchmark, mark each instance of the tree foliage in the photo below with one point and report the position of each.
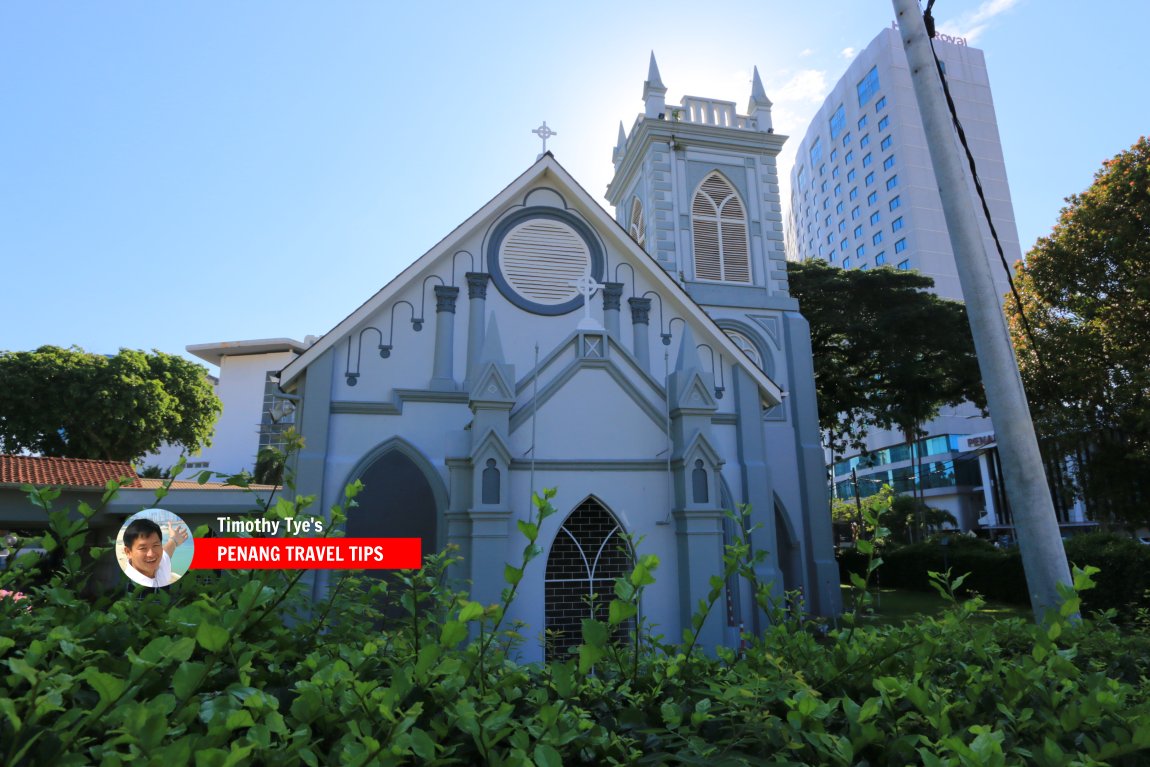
(1085, 293)
(887, 353)
(69, 403)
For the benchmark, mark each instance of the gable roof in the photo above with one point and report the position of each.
(545, 168)
(64, 472)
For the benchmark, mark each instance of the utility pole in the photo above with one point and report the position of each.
(1043, 555)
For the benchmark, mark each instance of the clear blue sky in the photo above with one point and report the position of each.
(181, 172)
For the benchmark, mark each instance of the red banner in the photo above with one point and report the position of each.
(308, 554)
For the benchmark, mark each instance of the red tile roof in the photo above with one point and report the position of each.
(63, 472)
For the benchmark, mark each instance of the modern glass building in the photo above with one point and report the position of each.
(864, 195)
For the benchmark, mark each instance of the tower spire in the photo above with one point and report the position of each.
(654, 92)
(759, 108)
(620, 146)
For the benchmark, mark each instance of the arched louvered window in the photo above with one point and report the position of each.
(719, 226)
(746, 346)
(588, 554)
(638, 229)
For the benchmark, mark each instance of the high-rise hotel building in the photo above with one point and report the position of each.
(864, 195)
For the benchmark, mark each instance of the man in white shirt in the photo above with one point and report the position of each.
(149, 559)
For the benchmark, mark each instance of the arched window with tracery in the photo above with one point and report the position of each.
(588, 554)
(719, 228)
(638, 228)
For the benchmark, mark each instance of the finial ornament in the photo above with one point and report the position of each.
(544, 133)
(587, 286)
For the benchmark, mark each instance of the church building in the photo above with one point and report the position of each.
(651, 367)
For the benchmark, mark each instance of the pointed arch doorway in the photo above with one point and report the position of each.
(588, 554)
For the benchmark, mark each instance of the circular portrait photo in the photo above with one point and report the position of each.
(154, 548)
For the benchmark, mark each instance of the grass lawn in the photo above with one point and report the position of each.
(892, 606)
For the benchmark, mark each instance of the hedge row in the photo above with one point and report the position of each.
(1122, 585)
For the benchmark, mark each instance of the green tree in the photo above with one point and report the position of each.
(69, 403)
(887, 353)
(1085, 293)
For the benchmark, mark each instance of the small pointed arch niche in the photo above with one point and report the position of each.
(588, 554)
(719, 230)
(638, 226)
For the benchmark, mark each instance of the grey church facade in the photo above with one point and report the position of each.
(650, 367)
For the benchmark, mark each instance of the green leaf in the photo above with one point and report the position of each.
(546, 756)
(422, 744)
(864, 546)
(619, 611)
(186, 679)
(471, 611)
(212, 638)
(108, 687)
(529, 529)
(512, 575)
(452, 633)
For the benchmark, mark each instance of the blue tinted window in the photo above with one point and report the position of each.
(904, 265)
(804, 177)
(855, 213)
(860, 251)
(867, 159)
(869, 178)
(816, 152)
(842, 226)
(838, 122)
(880, 104)
(884, 122)
(843, 246)
(847, 139)
(895, 202)
(864, 140)
(870, 198)
(888, 163)
(896, 224)
(874, 218)
(885, 143)
(835, 172)
(880, 258)
(851, 174)
(854, 192)
(891, 182)
(858, 231)
(850, 157)
(839, 189)
(876, 239)
(862, 122)
(823, 187)
(839, 208)
(834, 155)
(868, 86)
(900, 246)
(847, 263)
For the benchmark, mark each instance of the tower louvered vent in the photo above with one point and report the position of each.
(540, 258)
(719, 226)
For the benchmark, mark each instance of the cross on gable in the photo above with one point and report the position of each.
(544, 133)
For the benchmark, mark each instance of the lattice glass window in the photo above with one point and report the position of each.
(746, 346)
(638, 228)
(719, 226)
(588, 554)
(278, 414)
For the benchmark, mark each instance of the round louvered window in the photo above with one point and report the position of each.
(535, 256)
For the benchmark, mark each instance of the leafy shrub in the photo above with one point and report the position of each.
(240, 668)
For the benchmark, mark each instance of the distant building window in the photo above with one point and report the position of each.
(864, 141)
(896, 224)
(862, 122)
(891, 182)
(880, 258)
(831, 257)
(904, 265)
(851, 175)
(830, 238)
(834, 155)
(719, 227)
(854, 192)
(838, 122)
(850, 157)
(880, 104)
(895, 202)
(862, 267)
(823, 187)
(868, 86)
(842, 226)
(858, 231)
(826, 202)
(816, 152)
(827, 222)
(803, 177)
(847, 263)
(839, 207)
(883, 123)
(888, 163)
(876, 239)
(900, 246)
(835, 173)
(855, 213)
(874, 217)
(870, 198)
(843, 246)
(838, 189)
(869, 179)
(847, 138)
(867, 159)
(885, 143)
(860, 251)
